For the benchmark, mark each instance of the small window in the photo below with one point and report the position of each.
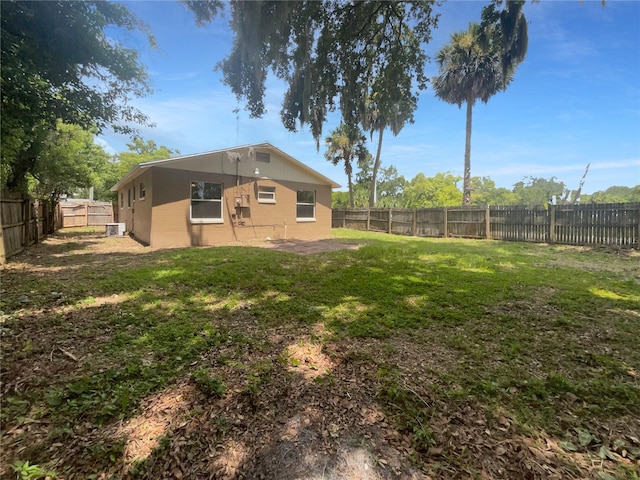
(142, 191)
(206, 202)
(121, 199)
(129, 198)
(134, 192)
(306, 205)
(266, 194)
(263, 157)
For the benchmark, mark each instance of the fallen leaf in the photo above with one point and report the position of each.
(605, 453)
(584, 438)
(605, 476)
(568, 446)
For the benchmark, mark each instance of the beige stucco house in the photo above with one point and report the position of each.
(236, 194)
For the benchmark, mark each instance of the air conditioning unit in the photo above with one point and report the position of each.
(115, 229)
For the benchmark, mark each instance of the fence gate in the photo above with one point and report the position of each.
(85, 214)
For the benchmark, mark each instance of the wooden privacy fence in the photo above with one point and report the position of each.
(85, 214)
(27, 221)
(593, 224)
(24, 222)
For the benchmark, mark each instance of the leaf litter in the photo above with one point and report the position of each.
(297, 405)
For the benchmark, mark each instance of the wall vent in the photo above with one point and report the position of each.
(263, 157)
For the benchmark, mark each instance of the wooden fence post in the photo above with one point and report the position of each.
(86, 215)
(26, 218)
(446, 227)
(3, 253)
(36, 211)
(487, 221)
(415, 222)
(638, 227)
(600, 224)
(552, 224)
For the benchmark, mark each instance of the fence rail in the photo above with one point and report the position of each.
(85, 214)
(592, 224)
(26, 221)
(23, 222)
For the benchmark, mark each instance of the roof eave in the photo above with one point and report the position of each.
(135, 171)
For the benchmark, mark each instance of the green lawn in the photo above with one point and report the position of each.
(449, 339)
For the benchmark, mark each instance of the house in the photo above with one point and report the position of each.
(237, 194)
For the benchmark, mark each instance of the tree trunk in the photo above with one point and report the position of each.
(50, 208)
(351, 203)
(466, 189)
(376, 166)
(349, 171)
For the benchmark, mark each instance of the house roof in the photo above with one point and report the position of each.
(175, 161)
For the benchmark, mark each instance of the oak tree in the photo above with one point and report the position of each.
(364, 58)
(61, 61)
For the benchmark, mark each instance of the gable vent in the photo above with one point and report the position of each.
(263, 157)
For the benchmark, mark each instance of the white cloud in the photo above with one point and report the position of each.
(105, 145)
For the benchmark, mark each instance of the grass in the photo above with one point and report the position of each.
(548, 334)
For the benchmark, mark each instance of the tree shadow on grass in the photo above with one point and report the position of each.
(241, 315)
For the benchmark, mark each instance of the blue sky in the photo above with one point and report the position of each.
(574, 100)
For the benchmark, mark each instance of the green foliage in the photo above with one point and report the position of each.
(68, 160)
(505, 31)
(25, 471)
(346, 144)
(615, 194)
(390, 187)
(468, 72)
(328, 53)
(141, 151)
(478, 63)
(339, 199)
(485, 192)
(442, 190)
(59, 63)
(366, 57)
(539, 191)
(409, 411)
(545, 335)
(437, 191)
(207, 384)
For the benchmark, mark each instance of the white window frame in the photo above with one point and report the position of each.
(219, 200)
(128, 198)
(143, 191)
(298, 203)
(266, 194)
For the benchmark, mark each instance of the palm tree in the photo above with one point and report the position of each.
(346, 144)
(468, 72)
(390, 103)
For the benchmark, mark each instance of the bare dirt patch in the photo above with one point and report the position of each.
(308, 247)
